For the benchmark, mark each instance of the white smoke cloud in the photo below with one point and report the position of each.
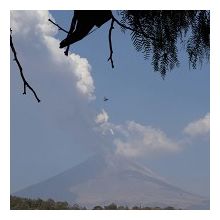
(198, 128)
(139, 141)
(104, 126)
(33, 27)
(32, 23)
(135, 140)
(102, 117)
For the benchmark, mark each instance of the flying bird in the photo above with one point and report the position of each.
(105, 99)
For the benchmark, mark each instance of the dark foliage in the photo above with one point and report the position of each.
(18, 203)
(156, 34)
(98, 208)
(112, 206)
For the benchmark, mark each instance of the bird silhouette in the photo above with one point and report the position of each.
(105, 99)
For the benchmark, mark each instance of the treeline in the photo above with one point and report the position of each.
(18, 203)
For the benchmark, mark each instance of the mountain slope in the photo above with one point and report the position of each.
(105, 179)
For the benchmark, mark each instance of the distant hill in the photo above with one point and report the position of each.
(102, 180)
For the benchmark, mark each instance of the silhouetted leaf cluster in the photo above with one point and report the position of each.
(158, 32)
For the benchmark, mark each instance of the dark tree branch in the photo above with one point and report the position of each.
(72, 27)
(110, 35)
(110, 42)
(60, 28)
(66, 52)
(26, 84)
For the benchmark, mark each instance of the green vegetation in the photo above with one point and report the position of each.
(18, 203)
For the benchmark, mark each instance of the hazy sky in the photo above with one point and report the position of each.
(163, 124)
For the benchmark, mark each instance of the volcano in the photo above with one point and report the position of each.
(102, 180)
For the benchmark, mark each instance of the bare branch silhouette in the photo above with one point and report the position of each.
(72, 26)
(26, 84)
(60, 28)
(110, 42)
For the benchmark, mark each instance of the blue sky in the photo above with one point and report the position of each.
(63, 129)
